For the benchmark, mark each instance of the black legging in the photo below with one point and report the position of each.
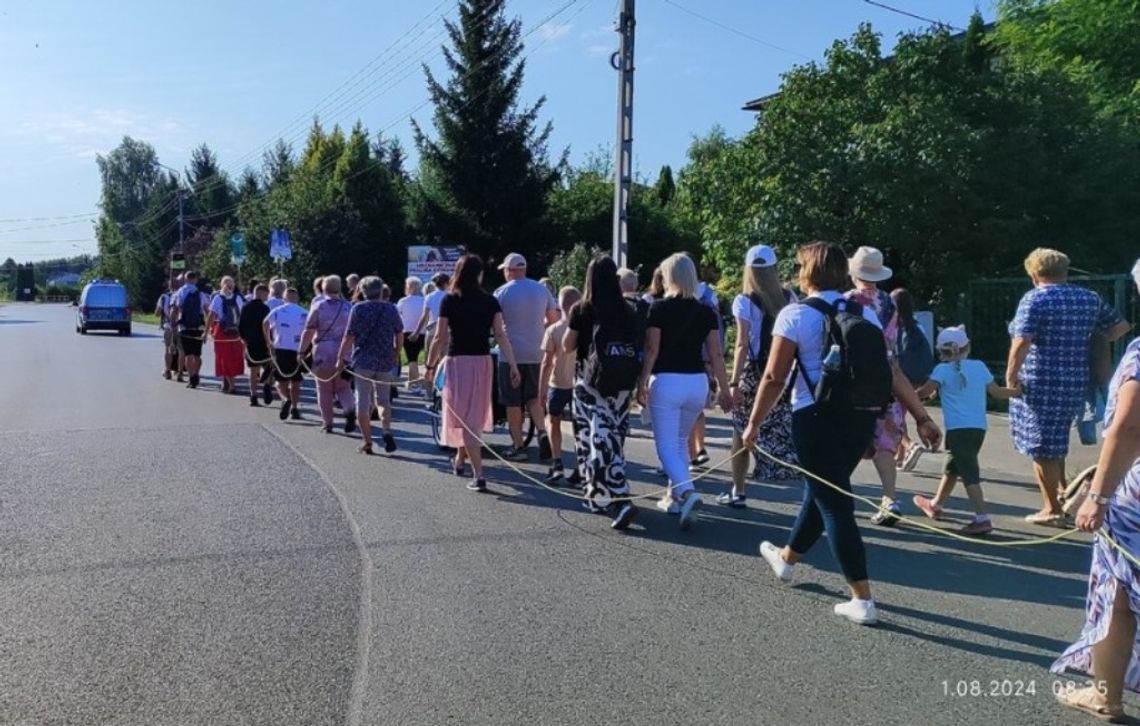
(831, 446)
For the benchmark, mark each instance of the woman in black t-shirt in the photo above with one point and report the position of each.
(603, 389)
(673, 382)
(467, 318)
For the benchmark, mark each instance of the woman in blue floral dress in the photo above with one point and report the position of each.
(1049, 361)
(1108, 648)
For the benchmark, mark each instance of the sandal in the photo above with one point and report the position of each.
(365, 449)
(1044, 519)
(1085, 700)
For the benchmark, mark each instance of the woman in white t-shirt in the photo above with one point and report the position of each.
(411, 307)
(755, 311)
(829, 446)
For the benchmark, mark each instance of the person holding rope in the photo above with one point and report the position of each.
(373, 335)
(1109, 647)
(411, 307)
(681, 331)
(830, 433)
(324, 331)
(222, 322)
(1050, 360)
(172, 357)
(755, 310)
(188, 317)
(527, 308)
(257, 356)
(556, 379)
(468, 317)
(603, 333)
(283, 327)
(429, 316)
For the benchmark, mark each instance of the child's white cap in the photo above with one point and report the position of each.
(953, 338)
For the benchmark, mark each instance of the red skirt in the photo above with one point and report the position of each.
(229, 353)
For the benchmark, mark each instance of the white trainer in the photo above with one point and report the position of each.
(860, 612)
(780, 568)
(668, 505)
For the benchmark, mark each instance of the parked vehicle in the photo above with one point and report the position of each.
(103, 306)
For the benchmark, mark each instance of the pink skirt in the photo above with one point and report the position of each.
(466, 399)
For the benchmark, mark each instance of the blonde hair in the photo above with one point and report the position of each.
(679, 275)
(1047, 264)
(227, 281)
(331, 285)
(568, 297)
(318, 285)
(765, 283)
(954, 355)
(279, 285)
(413, 286)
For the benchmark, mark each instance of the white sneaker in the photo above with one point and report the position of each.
(860, 612)
(668, 505)
(689, 507)
(780, 568)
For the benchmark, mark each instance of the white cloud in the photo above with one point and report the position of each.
(555, 31)
(599, 51)
(85, 134)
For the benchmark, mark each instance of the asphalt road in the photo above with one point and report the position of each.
(170, 556)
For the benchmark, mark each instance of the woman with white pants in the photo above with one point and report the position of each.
(673, 384)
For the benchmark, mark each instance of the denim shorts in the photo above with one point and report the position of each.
(558, 401)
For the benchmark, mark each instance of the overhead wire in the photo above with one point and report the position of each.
(470, 72)
(735, 31)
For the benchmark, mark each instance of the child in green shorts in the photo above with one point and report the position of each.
(962, 385)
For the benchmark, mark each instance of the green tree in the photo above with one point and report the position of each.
(212, 196)
(665, 188)
(130, 177)
(484, 179)
(1093, 43)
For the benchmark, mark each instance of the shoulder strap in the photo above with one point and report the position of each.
(820, 306)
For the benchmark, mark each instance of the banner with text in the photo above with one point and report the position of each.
(425, 261)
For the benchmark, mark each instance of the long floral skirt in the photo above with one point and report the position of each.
(1111, 570)
(775, 432)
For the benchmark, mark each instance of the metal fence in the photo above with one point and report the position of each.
(988, 307)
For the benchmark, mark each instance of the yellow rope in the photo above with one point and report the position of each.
(1104, 533)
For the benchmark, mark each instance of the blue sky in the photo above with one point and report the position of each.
(80, 74)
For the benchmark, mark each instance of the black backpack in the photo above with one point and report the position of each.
(863, 379)
(190, 317)
(230, 314)
(614, 361)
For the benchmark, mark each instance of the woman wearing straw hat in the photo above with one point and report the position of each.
(867, 270)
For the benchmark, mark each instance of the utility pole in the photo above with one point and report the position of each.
(622, 61)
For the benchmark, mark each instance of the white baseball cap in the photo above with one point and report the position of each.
(953, 338)
(513, 261)
(760, 256)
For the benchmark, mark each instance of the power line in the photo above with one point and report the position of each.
(899, 11)
(351, 82)
(45, 226)
(736, 31)
(47, 219)
(470, 72)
